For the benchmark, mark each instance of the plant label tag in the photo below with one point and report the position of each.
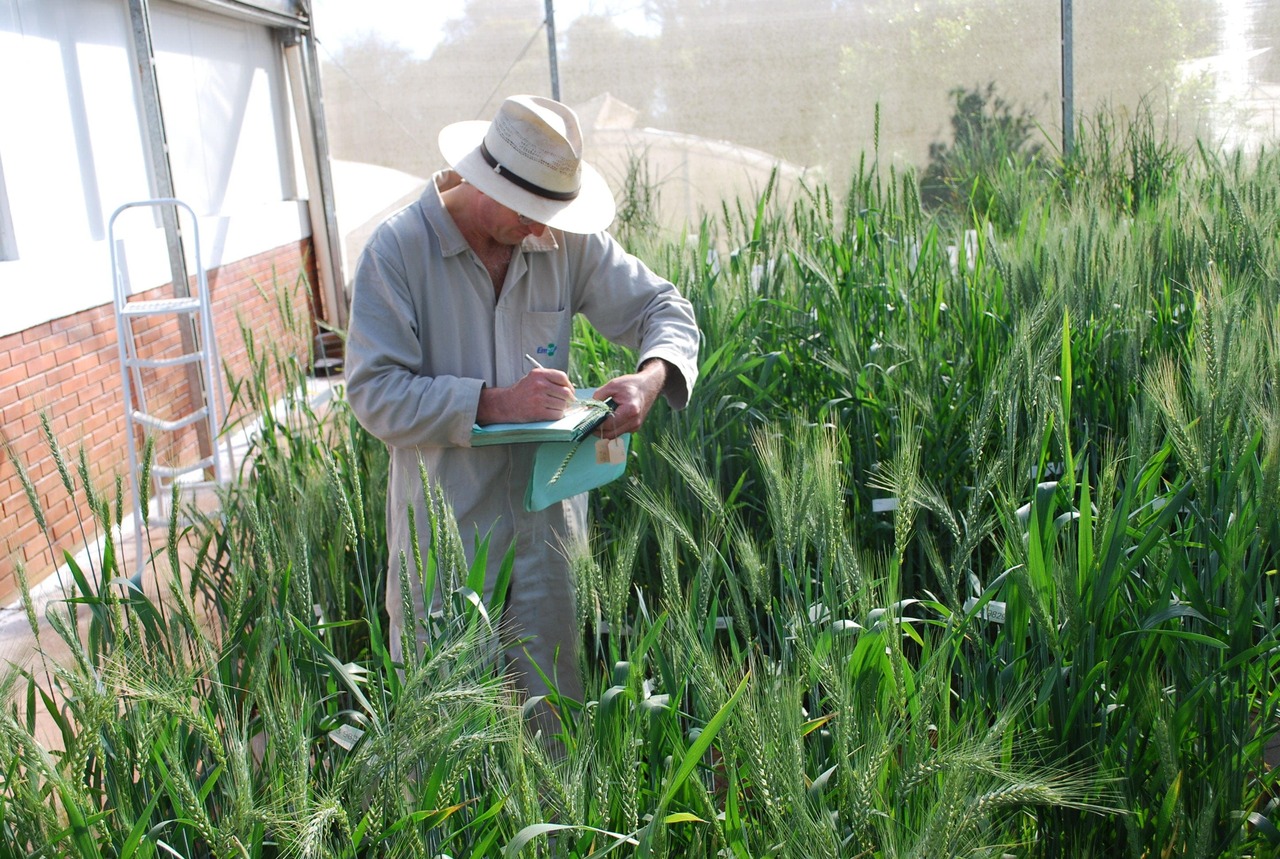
(346, 736)
(610, 451)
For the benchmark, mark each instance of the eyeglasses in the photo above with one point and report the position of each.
(527, 222)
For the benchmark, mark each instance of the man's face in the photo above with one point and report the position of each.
(509, 227)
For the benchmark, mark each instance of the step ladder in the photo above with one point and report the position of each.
(167, 347)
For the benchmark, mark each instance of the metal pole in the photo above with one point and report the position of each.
(551, 49)
(302, 66)
(1068, 94)
(157, 143)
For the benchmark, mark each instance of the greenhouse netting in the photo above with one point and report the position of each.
(715, 93)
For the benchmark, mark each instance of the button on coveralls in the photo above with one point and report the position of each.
(427, 334)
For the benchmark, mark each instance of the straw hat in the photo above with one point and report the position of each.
(530, 159)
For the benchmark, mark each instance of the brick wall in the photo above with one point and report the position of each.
(69, 370)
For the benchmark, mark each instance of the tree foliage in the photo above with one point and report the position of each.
(987, 132)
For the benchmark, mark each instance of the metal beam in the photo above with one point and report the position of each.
(302, 65)
(156, 139)
(551, 49)
(251, 12)
(1068, 84)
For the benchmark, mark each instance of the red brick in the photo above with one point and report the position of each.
(20, 354)
(37, 333)
(27, 529)
(9, 379)
(71, 352)
(41, 364)
(94, 423)
(61, 371)
(84, 363)
(100, 344)
(54, 343)
(68, 323)
(100, 373)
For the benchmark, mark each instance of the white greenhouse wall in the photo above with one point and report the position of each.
(72, 145)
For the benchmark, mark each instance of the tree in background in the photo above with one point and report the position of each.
(988, 135)
(754, 72)
(601, 57)
(367, 117)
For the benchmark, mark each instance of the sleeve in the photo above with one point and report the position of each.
(387, 386)
(632, 306)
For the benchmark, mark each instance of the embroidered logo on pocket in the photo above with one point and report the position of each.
(549, 350)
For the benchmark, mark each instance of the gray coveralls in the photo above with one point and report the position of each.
(426, 335)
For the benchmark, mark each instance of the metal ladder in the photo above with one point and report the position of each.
(197, 357)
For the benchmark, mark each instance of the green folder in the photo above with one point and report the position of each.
(562, 469)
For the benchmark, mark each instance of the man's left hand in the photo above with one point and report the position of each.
(633, 394)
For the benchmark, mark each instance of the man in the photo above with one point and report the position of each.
(452, 297)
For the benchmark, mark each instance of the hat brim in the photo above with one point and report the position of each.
(590, 212)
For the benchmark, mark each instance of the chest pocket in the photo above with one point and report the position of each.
(545, 336)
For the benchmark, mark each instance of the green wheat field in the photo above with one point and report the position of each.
(965, 546)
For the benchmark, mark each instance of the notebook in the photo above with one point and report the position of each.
(578, 422)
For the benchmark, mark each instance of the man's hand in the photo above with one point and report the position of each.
(634, 395)
(542, 395)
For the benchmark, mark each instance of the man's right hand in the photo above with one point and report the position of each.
(542, 395)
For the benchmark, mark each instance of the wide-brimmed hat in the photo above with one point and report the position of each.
(530, 159)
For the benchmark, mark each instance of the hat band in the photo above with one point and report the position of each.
(520, 181)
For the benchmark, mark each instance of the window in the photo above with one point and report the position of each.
(8, 243)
